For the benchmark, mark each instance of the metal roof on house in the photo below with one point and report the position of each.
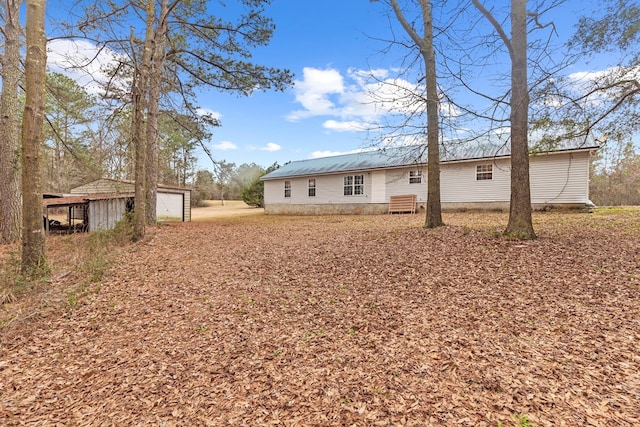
(409, 155)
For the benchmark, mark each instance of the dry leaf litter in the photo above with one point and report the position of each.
(343, 321)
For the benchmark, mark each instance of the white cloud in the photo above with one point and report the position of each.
(314, 91)
(84, 62)
(325, 92)
(345, 126)
(601, 87)
(271, 146)
(588, 75)
(587, 79)
(209, 112)
(356, 100)
(225, 146)
(329, 153)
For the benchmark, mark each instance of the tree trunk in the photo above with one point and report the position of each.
(33, 252)
(520, 222)
(425, 43)
(10, 200)
(140, 92)
(155, 86)
(434, 209)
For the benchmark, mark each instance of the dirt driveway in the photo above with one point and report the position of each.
(216, 209)
(344, 321)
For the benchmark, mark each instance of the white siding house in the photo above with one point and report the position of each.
(476, 178)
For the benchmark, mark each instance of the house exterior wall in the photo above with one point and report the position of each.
(329, 190)
(559, 179)
(459, 184)
(379, 187)
(187, 206)
(397, 183)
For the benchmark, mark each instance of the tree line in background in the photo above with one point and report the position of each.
(615, 176)
(84, 141)
(230, 182)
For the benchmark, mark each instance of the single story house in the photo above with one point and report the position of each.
(472, 176)
(172, 203)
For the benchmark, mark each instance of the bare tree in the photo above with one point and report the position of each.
(155, 89)
(10, 214)
(140, 92)
(33, 249)
(520, 222)
(424, 42)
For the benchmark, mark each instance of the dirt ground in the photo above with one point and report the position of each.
(343, 321)
(219, 209)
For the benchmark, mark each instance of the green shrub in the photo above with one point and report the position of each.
(253, 194)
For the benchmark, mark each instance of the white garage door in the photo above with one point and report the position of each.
(169, 206)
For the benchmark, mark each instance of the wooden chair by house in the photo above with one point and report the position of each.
(405, 203)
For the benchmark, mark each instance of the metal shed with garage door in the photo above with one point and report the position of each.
(172, 203)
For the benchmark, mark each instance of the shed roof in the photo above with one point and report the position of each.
(127, 182)
(410, 155)
(79, 200)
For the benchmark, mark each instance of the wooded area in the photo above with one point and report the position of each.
(140, 123)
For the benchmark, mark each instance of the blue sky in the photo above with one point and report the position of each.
(322, 43)
(329, 45)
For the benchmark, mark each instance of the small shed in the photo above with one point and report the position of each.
(172, 203)
(85, 213)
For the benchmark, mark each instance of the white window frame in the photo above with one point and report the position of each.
(287, 189)
(415, 176)
(312, 187)
(353, 185)
(484, 172)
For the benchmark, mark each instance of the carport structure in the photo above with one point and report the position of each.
(85, 213)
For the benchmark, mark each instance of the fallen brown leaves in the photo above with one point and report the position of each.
(363, 320)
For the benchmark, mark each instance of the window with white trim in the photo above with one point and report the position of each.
(415, 176)
(484, 172)
(354, 185)
(287, 189)
(312, 187)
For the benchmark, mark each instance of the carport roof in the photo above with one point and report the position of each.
(79, 200)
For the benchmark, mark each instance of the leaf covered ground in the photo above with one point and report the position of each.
(343, 321)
